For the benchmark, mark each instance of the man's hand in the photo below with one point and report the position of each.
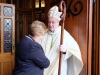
(62, 48)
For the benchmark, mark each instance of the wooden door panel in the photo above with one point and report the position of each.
(7, 35)
(7, 68)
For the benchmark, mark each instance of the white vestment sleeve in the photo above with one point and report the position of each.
(67, 55)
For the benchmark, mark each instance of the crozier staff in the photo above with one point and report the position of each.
(62, 8)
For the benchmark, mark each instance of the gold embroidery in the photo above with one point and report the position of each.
(52, 42)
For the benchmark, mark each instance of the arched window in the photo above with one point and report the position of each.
(42, 3)
(40, 10)
(36, 3)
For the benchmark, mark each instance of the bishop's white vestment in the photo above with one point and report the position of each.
(71, 61)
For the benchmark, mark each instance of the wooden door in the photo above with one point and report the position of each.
(7, 34)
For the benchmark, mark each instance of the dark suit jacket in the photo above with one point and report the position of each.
(29, 58)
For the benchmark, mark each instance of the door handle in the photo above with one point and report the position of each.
(13, 45)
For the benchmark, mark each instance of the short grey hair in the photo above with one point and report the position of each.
(38, 28)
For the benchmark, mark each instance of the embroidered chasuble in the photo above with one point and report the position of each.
(71, 61)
